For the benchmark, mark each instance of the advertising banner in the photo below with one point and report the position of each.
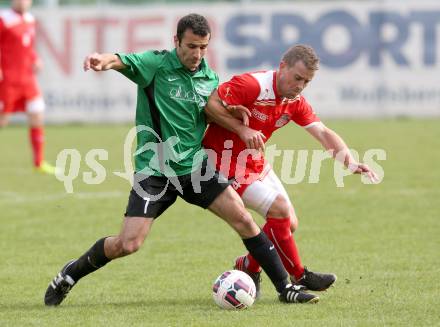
(378, 59)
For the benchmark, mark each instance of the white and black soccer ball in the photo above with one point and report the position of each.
(234, 290)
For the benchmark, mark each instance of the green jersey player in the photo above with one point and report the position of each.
(173, 88)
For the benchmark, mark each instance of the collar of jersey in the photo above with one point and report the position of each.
(175, 62)
(274, 83)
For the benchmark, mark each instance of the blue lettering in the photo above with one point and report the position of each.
(354, 48)
(378, 45)
(364, 38)
(233, 35)
(429, 20)
(277, 45)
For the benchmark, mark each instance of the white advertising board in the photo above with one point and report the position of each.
(378, 59)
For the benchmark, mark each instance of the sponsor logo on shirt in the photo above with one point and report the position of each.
(228, 92)
(259, 115)
(179, 94)
(172, 78)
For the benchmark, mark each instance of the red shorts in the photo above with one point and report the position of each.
(16, 98)
(241, 176)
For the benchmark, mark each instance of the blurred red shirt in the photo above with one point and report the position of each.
(17, 54)
(17, 60)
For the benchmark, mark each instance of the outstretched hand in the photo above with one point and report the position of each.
(94, 61)
(360, 168)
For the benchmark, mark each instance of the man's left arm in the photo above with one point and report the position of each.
(334, 144)
(234, 118)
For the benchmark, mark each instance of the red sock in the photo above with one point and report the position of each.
(36, 135)
(278, 231)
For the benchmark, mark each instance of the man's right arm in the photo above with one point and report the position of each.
(103, 61)
(336, 146)
(217, 112)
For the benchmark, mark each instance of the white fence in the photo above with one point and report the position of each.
(378, 59)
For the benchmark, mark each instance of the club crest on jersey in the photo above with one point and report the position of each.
(266, 94)
(283, 120)
(259, 115)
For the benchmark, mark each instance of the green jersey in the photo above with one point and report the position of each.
(170, 117)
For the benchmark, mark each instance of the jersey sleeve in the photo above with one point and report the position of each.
(304, 115)
(242, 89)
(2, 26)
(141, 67)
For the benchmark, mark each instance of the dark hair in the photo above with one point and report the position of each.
(303, 53)
(195, 22)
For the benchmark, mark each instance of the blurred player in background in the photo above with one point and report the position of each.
(173, 88)
(246, 111)
(19, 91)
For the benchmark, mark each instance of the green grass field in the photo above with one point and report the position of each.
(383, 241)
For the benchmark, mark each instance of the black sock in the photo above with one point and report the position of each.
(263, 250)
(90, 261)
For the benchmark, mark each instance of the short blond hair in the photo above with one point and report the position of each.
(304, 53)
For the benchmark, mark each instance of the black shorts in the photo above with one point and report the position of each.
(152, 195)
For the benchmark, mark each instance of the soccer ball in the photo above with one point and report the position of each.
(234, 289)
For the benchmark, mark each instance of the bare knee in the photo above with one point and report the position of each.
(280, 208)
(130, 246)
(229, 206)
(117, 246)
(293, 225)
(132, 235)
(36, 119)
(241, 220)
(245, 225)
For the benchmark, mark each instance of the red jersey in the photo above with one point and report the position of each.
(257, 92)
(17, 54)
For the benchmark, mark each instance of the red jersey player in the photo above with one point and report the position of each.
(266, 101)
(19, 91)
